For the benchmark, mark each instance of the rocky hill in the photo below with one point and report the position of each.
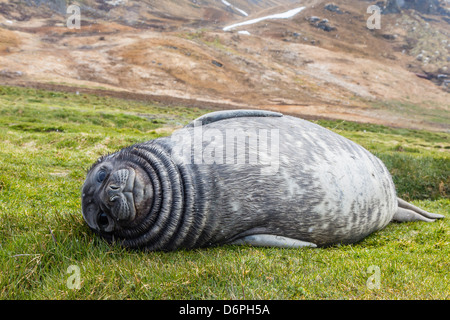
(313, 58)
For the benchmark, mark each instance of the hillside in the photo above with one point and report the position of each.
(323, 62)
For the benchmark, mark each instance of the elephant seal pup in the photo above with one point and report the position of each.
(242, 177)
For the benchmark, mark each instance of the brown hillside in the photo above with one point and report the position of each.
(322, 62)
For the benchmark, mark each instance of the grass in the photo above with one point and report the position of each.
(429, 112)
(49, 139)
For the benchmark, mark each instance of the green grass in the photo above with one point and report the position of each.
(49, 139)
(429, 112)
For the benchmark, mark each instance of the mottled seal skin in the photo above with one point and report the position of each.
(320, 189)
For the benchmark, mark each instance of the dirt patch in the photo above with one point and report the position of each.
(216, 15)
(8, 41)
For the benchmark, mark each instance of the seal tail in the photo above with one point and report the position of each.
(407, 212)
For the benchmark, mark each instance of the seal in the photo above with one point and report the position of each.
(242, 177)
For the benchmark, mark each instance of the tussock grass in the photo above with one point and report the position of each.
(48, 140)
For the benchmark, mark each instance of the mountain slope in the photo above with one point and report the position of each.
(321, 62)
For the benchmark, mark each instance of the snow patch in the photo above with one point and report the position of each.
(242, 11)
(244, 32)
(230, 5)
(283, 15)
(116, 2)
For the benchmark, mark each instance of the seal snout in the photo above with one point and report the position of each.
(119, 194)
(121, 181)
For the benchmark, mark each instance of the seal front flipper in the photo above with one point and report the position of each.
(230, 114)
(407, 212)
(270, 240)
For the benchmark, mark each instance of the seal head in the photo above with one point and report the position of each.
(116, 194)
(138, 197)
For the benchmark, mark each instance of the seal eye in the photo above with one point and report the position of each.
(101, 175)
(102, 219)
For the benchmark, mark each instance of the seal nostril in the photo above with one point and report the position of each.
(114, 187)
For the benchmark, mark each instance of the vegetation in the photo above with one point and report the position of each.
(49, 139)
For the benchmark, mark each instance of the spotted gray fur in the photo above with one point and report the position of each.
(325, 190)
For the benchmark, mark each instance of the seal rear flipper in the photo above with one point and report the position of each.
(407, 212)
(230, 114)
(270, 240)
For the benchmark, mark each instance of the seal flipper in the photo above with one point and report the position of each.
(405, 215)
(270, 240)
(230, 114)
(408, 212)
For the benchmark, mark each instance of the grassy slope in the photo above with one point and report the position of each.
(48, 140)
